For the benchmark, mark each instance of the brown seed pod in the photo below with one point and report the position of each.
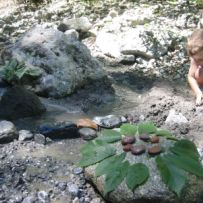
(128, 140)
(138, 149)
(145, 137)
(154, 139)
(127, 147)
(155, 150)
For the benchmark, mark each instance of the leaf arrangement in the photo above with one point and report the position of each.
(174, 165)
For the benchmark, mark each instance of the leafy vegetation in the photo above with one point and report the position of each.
(174, 164)
(15, 71)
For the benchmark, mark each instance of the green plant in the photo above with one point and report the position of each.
(174, 164)
(14, 71)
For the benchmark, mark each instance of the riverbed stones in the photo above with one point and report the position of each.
(87, 133)
(17, 102)
(8, 132)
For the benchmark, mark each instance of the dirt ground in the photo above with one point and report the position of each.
(163, 97)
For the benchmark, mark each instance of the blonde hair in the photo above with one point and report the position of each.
(195, 42)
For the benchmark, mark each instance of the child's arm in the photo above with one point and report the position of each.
(193, 83)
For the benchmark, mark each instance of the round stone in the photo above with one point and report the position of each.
(77, 170)
(138, 149)
(127, 147)
(145, 137)
(155, 150)
(128, 140)
(87, 133)
(154, 139)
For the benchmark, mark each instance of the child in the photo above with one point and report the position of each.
(195, 74)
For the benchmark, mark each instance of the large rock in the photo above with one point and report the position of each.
(18, 102)
(66, 63)
(153, 190)
(61, 130)
(7, 132)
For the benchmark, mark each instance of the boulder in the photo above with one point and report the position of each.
(7, 132)
(18, 102)
(65, 62)
(153, 190)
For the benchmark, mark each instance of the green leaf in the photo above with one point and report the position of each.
(34, 72)
(97, 155)
(115, 177)
(186, 163)
(185, 148)
(174, 177)
(91, 146)
(109, 136)
(109, 132)
(137, 175)
(12, 64)
(109, 164)
(128, 129)
(166, 134)
(21, 72)
(146, 127)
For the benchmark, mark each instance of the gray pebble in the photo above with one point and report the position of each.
(73, 189)
(77, 170)
(62, 186)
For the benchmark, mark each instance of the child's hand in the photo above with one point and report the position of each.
(199, 99)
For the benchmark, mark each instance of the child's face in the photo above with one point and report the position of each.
(198, 58)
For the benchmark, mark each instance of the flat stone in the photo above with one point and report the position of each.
(85, 122)
(61, 130)
(138, 149)
(110, 121)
